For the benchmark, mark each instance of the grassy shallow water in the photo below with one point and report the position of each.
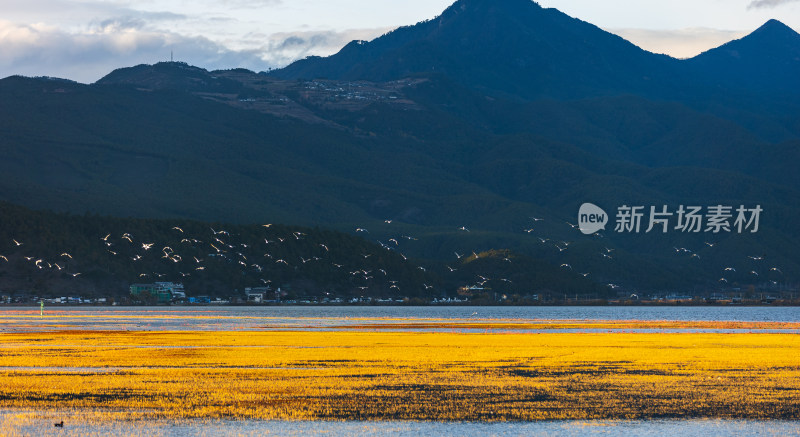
(353, 374)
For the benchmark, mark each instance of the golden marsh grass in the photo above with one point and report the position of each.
(352, 374)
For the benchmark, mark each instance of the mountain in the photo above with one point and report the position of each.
(471, 124)
(515, 47)
(520, 49)
(172, 76)
(766, 60)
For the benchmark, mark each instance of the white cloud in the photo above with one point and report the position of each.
(283, 48)
(43, 50)
(682, 43)
(757, 4)
(249, 4)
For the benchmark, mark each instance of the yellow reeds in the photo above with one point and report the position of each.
(346, 374)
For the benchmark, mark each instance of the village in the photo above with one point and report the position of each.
(174, 293)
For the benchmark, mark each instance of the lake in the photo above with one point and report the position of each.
(328, 317)
(26, 422)
(32, 423)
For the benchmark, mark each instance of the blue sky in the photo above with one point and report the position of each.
(85, 39)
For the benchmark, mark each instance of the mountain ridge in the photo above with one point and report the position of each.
(551, 55)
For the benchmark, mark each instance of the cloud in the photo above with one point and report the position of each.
(42, 50)
(283, 48)
(682, 43)
(249, 4)
(763, 4)
(72, 12)
(94, 50)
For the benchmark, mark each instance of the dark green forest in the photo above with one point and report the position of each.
(49, 254)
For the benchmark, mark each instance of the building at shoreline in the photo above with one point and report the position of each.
(164, 292)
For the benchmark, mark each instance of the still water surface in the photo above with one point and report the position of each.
(327, 317)
(42, 425)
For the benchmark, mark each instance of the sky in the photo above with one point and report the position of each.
(84, 40)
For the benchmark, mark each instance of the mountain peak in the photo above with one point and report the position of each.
(489, 8)
(170, 75)
(775, 26)
(480, 4)
(768, 58)
(510, 46)
(772, 35)
(773, 32)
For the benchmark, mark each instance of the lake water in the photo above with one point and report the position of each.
(40, 423)
(327, 317)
